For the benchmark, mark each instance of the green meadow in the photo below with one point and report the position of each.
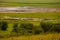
(51, 5)
(51, 15)
(41, 3)
(32, 1)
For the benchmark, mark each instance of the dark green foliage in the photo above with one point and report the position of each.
(46, 25)
(0, 25)
(4, 26)
(15, 27)
(56, 27)
(49, 26)
(30, 28)
(37, 30)
(26, 28)
(4, 29)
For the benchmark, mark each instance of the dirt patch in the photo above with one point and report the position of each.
(28, 9)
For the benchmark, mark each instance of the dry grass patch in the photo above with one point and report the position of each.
(55, 36)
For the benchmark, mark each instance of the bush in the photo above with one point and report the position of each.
(25, 28)
(15, 27)
(56, 27)
(50, 26)
(4, 26)
(38, 30)
(3, 29)
(0, 25)
(30, 28)
(46, 25)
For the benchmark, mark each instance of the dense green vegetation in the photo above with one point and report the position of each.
(28, 28)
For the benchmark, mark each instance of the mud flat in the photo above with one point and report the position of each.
(28, 9)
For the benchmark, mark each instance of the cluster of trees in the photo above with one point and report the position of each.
(30, 28)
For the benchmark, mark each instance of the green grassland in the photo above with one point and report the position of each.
(42, 15)
(32, 1)
(50, 15)
(41, 4)
(53, 5)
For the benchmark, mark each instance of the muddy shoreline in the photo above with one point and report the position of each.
(28, 9)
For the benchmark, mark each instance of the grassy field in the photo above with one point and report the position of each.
(52, 5)
(42, 3)
(51, 15)
(54, 36)
(32, 1)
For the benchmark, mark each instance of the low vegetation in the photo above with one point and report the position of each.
(43, 4)
(27, 28)
(50, 36)
(50, 15)
(33, 30)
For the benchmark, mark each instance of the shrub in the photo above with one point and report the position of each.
(31, 28)
(46, 25)
(5, 29)
(56, 27)
(0, 25)
(38, 30)
(26, 28)
(4, 26)
(15, 27)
